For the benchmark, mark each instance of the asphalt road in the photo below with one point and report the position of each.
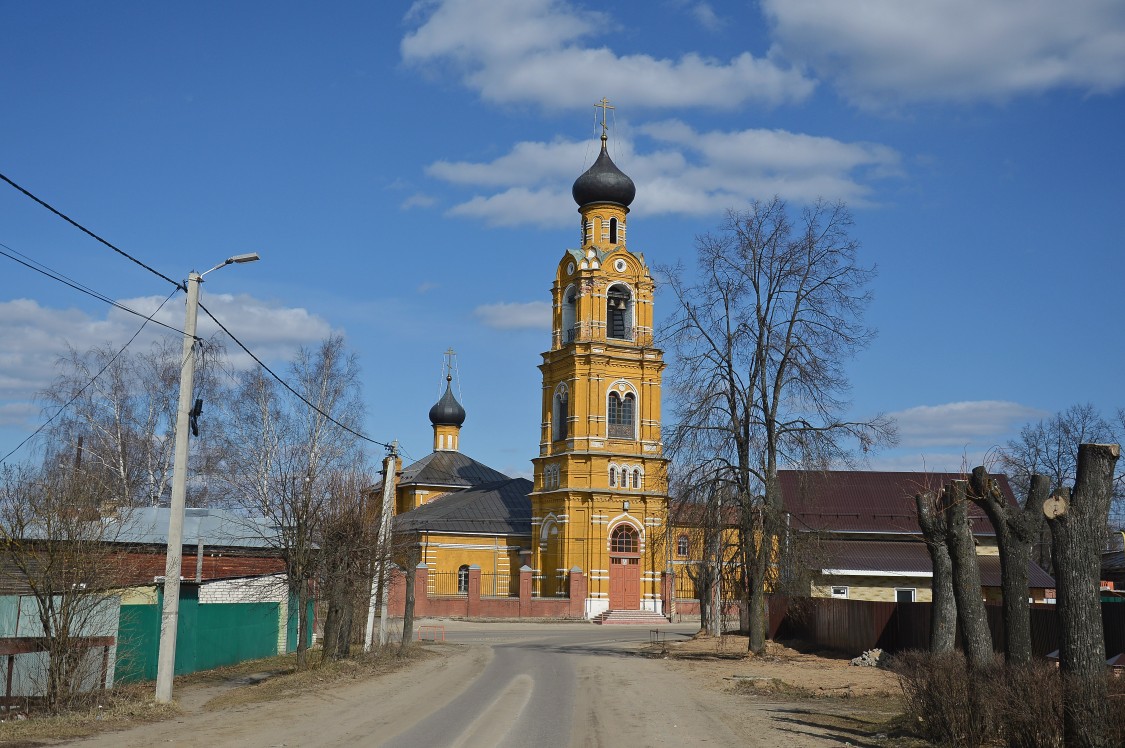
(528, 693)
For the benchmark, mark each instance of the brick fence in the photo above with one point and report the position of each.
(474, 605)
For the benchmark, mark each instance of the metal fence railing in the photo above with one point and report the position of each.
(499, 585)
(447, 583)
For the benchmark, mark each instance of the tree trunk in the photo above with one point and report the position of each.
(1078, 532)
(943, 610)
(971, 614)
(1016, 531)
(302, 624)
(412, 559)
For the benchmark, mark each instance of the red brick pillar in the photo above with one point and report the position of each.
(577, 593)
(525, 590)
(396, 593)
(668, 594)
(472, 601)
(421, 591)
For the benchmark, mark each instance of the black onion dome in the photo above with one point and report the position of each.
(447, 411)
(604, 183)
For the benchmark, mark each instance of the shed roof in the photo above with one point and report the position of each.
(497, 508)
(905, 558)
(214, 527)
(854, 501)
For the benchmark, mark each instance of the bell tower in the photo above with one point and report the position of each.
(600, 498)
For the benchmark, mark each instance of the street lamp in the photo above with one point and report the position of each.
(170, 613)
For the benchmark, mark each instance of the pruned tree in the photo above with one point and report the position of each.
(971, 615)
(281, 455)
(1049, 447)
(57, 550)
(1017, 530)
(347, 540)
(943, 609)
(1078, 523)
(761, 339)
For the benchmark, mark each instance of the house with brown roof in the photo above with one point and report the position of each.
(865, 540)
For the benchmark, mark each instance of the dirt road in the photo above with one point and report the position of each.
(503, 685)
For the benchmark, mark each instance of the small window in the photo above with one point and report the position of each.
(613, 231)
(904, 595)
(636, 479)
(463, 579)
(682, 546)
(840, 592)
(613, 477)
(623, 539)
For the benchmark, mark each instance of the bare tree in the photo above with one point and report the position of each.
(761, 339)
(282, 453)
(1017, 529)
(120, 407)
(943, 609)
(701, 520)
(1077, 527)
(54, 546)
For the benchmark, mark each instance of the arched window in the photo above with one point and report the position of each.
(620, 415)
(560, 413)
(682, 546)
(612, 477)
(463, 579)
(569, 314)
(623, 539)
(613, 231)
(619, 313)
(636, 479)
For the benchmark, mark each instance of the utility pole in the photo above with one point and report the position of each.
(170, 610)
(381, 580)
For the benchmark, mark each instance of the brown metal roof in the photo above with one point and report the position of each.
(869, 501)
(906, 558)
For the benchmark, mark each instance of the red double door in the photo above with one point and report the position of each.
(624, 583)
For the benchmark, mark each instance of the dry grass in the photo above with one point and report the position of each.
(123, 707)
(250, 682)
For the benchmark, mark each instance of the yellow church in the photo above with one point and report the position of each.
(598, 504)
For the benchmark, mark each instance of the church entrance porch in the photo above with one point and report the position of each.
(624, 583)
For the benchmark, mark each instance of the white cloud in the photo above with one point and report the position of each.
(33, 337)
(537, 51)
(980, 422)
(689, 172)
(533, 315)
(883, 52)
(706, 16)
(417, 200)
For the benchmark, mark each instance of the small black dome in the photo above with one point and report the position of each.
(447, 411)
(604, 183)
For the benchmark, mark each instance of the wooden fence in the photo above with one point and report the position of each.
(855, 626)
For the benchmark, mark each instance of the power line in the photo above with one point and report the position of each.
(286, 385)
(87, 385)
(56, 275)
(87, 231)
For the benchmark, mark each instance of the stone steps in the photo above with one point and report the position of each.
(630, 618)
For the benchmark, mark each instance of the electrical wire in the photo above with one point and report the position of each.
(287, 386)
(39, 267)
(87, 231)
(92, 380)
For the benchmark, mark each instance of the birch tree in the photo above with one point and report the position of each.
(283, 454)
(761, 337)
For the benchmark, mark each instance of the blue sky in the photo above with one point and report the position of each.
(405, 171)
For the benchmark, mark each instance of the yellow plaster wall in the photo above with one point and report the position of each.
(494, 554)
(873, 587)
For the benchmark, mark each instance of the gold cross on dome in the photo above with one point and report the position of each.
(603, 105)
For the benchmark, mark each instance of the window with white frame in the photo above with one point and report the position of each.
(840, 592)
(560, 413)
(905, 594)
